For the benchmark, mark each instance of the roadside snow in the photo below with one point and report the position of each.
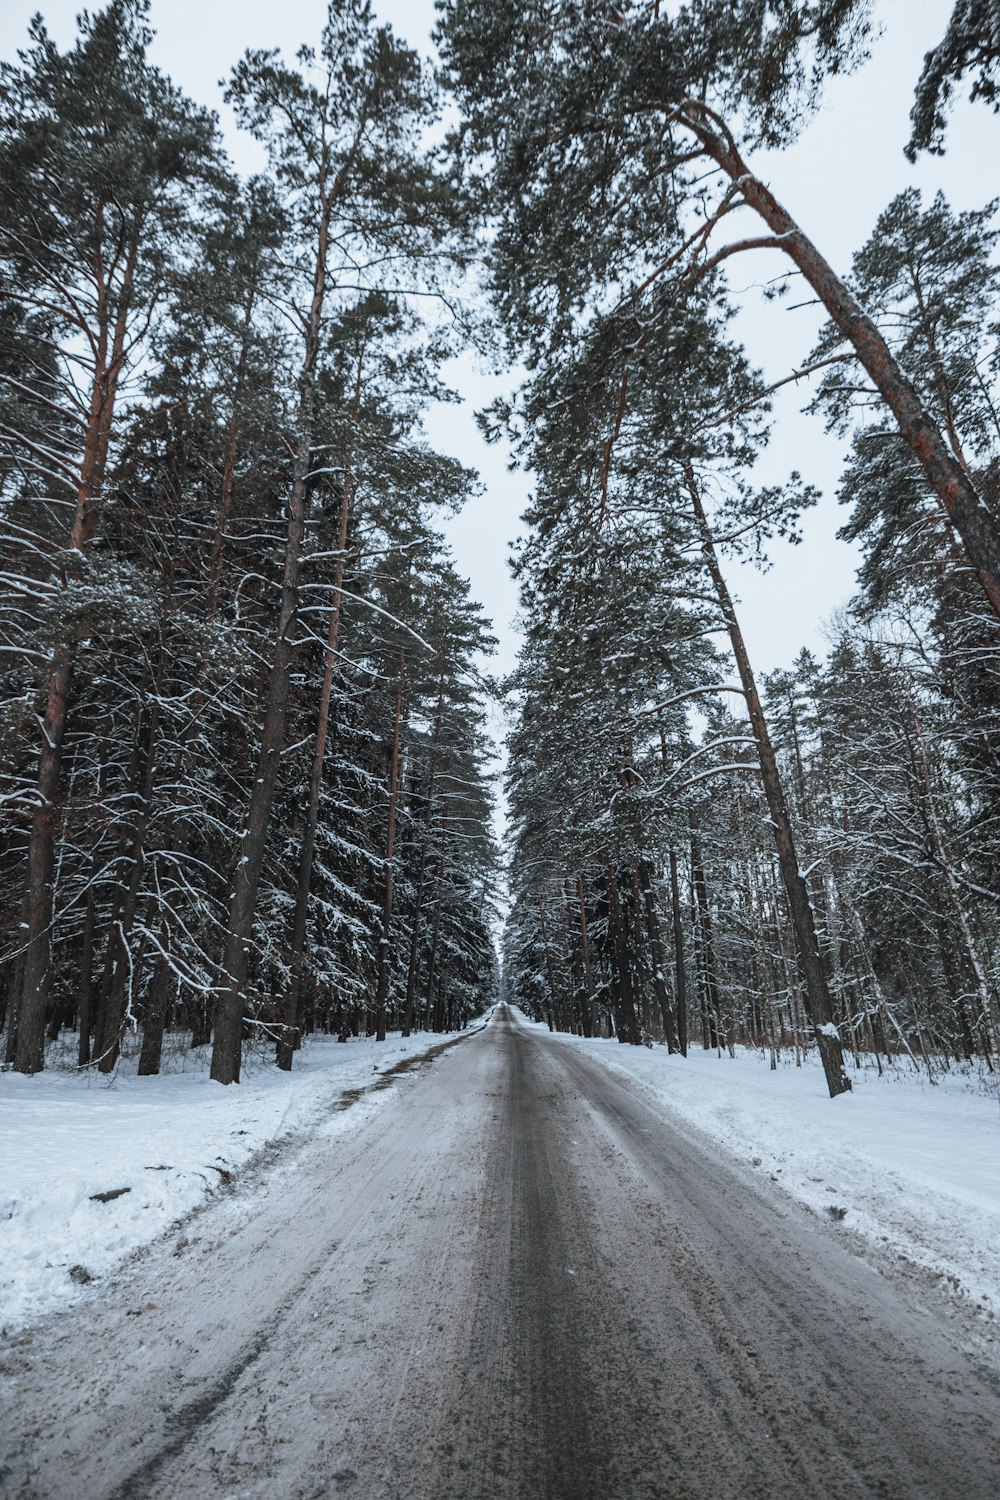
(171, 1141)
(910, 1166)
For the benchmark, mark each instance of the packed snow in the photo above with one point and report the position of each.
(911, 1166)
(170, 1141)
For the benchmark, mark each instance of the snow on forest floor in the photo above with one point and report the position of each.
(170, 1140)
(915, 1166)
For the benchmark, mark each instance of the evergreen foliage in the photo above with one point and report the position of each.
(210, 395)
(247, 776)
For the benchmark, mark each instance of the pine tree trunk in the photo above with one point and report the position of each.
(289, 1039)
(228, 1043)
(680, 983)
(639, 986)
(87, 975)
(121, 933)
(656, 953)
(14, 993)
(382, 986)
(580, 955)
(157, 1005)
(35, 976)
(574, 963)
(944, 471)
(413, 963)
(435, 934)
(555, 1023)
(108, 347)
(699, 890)
(628, 1023)
(588, 972)
(818, 999)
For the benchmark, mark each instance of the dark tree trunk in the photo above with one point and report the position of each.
(289, 1039)
(108, 351)
(157, 1005)
(291, 1036)
(382, 986)
(656, 953)
(435, 936)
(555, 1006)
(413, 962)
(628, 1023)
(680, 981)
(119, 938)
(35, 977)
(580, 953)
(572, 965)
(588, 972)
(228, 1044)
(710, 988)
(87, 976)
(818, 998)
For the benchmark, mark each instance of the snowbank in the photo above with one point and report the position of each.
(912, 1166)
(170, 1141)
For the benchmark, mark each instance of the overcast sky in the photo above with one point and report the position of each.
(842, 172)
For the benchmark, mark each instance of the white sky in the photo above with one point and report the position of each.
(837, 178)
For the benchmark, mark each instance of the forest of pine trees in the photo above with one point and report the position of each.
(702, 855)
(247, 778)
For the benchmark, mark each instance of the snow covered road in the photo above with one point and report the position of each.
(522, 1277)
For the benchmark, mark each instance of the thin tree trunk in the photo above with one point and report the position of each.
(382, 986)
(555, 1021)
(35, 985)
(119, 938)
(435, 934)
(580, 952)
(679, 967)
(656, 953)
(109, 353)
(633, 903)
(289, 1039)
(628, 1023)
(817, 991)
(15, 992)
(699, 890)
(413, 965)
(413, 962)
(227, 1048)
(573, 961)
(588, 972)
(87, 973)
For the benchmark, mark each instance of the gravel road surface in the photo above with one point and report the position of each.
(520, 1278)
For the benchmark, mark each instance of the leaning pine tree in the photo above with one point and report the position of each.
(611, 138)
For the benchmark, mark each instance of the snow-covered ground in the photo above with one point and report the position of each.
(911, 1166)
(171, 1141)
